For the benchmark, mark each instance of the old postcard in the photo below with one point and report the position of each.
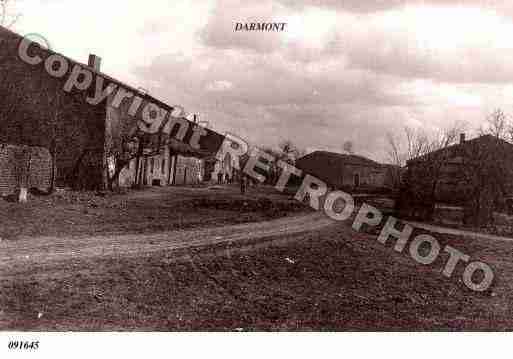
(241, 166)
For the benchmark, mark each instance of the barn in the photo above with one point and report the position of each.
(53, 134)
(47, 136)
(346, 171)
(473, 177)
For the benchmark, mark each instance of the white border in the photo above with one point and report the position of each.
(259, 345)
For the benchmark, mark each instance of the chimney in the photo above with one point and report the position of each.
(462, 138)
(94, 62)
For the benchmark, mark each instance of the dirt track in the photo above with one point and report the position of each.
(300, 272)
(26, 253)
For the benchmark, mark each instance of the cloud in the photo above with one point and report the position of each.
(503, 7)
(407, 43)
(220, 85)
(402, 41)
(271, 79)
(358, 6)
(219, 31)
(342, 70)
(264, 98)
(305, 33)
(356, 78)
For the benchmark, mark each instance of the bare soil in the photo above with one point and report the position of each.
(145, 211)
(293, 273)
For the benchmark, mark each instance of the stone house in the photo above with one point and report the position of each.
(42, 124)
(472, 175)
(346, 171)
(69, 140)
(163, 169)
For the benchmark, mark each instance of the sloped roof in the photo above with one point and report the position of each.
(145, 96)
(342, 158)
(480, 139)
(177, 146)
(329, 166)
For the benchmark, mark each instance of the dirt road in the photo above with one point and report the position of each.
(28, 253)
(458, 232)
(298, 272)
(319, 277)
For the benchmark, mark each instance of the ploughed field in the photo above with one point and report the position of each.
(295, 271)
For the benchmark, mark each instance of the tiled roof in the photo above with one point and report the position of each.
(331, 157)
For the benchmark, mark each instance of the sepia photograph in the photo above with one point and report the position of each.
(270, 166)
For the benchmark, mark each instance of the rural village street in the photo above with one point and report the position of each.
(26, 253)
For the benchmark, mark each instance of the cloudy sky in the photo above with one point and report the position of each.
(342, 70)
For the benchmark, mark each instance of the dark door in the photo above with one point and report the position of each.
(357, 180)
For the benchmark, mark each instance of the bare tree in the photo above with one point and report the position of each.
(499, 125)
(126, 144)
(474, 174)
(416, 143)
(289, 152)
(132, 147)
(133, 144)
(485, 170)
(424, 156)
(348, 147)
(412, 144)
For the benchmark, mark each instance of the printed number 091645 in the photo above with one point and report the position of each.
(23, 345)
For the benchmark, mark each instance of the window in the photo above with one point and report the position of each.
(356, 180)
(152, 165)
(163, 166)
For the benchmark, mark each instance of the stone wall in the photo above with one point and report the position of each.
(36, 111)
(14, 158)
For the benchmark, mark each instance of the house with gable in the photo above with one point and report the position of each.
(51, 137)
